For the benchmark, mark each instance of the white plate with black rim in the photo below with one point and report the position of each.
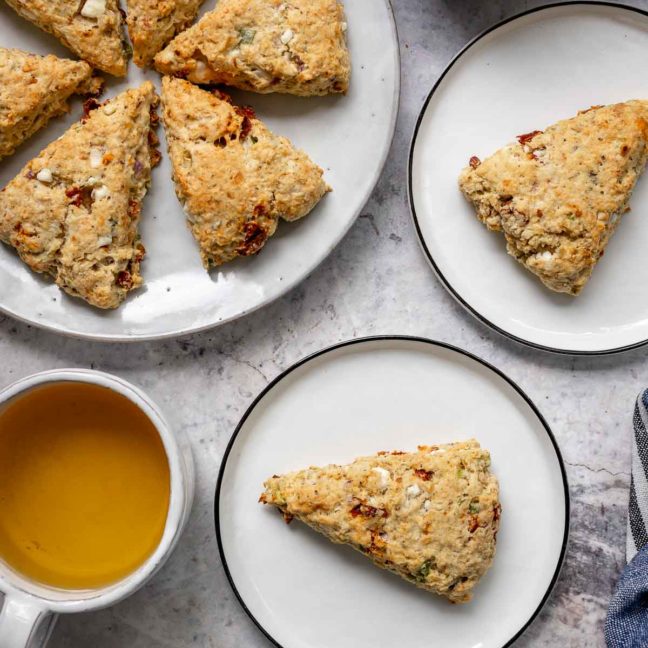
(354, 399)
(348, 136)
(523, 75)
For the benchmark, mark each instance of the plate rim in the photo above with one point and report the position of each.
(410, 194)
(286, 287)
(381, 339)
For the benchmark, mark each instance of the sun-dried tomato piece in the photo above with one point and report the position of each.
(367, 511)
(423, 474)
(140, 253)
(246, 128)
(88, 106)
(80, 196)
(134, 208)
(124, 279)
(245, 111)
(255, 237)
(527, 137)
(474, 161)
(473, 524)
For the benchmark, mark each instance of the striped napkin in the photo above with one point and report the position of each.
(626, 625)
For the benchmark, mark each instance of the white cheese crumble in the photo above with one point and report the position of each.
(614, 218)
(344, 26)
(96, 156)
(100, 192)
(427, 505)
(109, 109)
(545, 256)
(45, 175)
(92, 181)
(384, 476)
(104, 240)
(413, 490)
(94, 8)
(287, 36)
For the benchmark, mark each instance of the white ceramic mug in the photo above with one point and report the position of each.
(29, 610)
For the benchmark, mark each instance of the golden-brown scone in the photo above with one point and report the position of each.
(429, 516)
(33, 89)
(558, 195)
(233, 176)
(73, 211)
(92, 29)
(153, 23)
(297, 47)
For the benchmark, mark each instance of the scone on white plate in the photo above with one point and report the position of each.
(234, 178)
(73, 211)
(297, 47)
(153, 23)
(429, 516)
(558, 195)
(33, 89)
(92, 29)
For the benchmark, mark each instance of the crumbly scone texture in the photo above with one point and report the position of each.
(297, 47)
(33, 89)
(430, 516)
(92, 29)
(234, 178)
(73, 211)
(153, 23)
(558, 195)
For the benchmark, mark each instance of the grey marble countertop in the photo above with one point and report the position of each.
(377, 281)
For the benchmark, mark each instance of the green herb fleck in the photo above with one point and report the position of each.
(460, 473)
(254, 139)
(246, 35)
(474, 508)
(424, 570)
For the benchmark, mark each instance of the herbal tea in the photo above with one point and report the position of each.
(84, 486)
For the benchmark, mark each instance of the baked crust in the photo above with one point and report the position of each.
(297, 47)
(233, 176)
(558, 195)
(73, 211)
(33, 89)
(153, 23)
(429, 516)
(96, 37)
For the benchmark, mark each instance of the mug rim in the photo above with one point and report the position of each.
(178, 501)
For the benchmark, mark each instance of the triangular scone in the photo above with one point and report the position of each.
(92, 29)
(297, 47)
(558, 195)
(429, 516)
(73, 211)
(33, 89)
(153, 23)
(233, 176)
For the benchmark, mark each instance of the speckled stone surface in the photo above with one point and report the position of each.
(377, 281)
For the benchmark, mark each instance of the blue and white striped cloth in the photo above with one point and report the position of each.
(626, 625)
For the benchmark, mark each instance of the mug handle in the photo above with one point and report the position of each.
(24, 623)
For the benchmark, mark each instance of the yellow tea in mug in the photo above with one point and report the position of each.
(84, 485)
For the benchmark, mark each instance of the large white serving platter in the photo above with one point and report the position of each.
(356, 399)
(524, 75)
(347, 136)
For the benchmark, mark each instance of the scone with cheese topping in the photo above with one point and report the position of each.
(234, 178)
(92, 29)
(33, 89)
(73, 211)
(153, 23)
(559, 194)
(430, 516)
(297, 47)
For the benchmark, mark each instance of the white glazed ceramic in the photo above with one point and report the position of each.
(27, 615)
(523, 75)
(349, 137)
(355, 399)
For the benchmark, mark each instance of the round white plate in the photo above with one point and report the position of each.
(349, 137)
(523, 75)
(355, 399)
